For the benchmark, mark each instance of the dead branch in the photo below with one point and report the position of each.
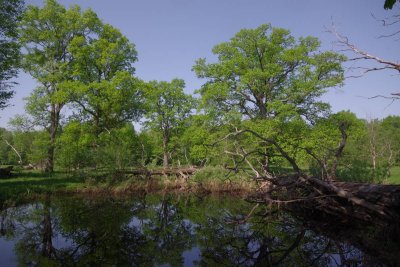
(363, 55)
(15, 150)
(346, 195)
(244, 158)
(384, 64)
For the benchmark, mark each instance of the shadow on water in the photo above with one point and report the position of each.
(153, 230)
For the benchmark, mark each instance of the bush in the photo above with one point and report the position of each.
(217, 178)
(360, 171)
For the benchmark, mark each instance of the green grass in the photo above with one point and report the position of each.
(394, 176)
(218, 178)
(24, 183)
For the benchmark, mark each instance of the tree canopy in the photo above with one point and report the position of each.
(265, 72)
(103, 87)
(10, 12)
(167, 107)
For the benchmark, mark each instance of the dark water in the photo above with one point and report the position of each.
(166, 230)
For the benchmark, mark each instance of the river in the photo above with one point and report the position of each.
(176, 230)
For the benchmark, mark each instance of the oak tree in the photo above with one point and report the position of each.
(265, 72)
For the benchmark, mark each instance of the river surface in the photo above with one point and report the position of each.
(173, 230)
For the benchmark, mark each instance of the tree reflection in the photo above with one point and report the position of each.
(275, 240)
(157, 229)
(168, 233)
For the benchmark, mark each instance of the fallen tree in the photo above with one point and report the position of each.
(346, 201)
(362, 201)
(179, 172)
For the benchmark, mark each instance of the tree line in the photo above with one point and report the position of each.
(258, 112)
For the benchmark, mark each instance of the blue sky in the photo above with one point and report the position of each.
(171, 34)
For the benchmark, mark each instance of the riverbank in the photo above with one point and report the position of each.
(28, 184)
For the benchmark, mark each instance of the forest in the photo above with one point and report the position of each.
(258, 112)
(253, 168)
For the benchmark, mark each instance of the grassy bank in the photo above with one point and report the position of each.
(394, 177)
(25, 184)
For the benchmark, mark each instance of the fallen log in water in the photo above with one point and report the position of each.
(365, 202)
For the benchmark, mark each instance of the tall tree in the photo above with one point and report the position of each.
(272, 80)
(10, 12)
(104, 89)
(46, 33)
(265, 72)
(167, 107)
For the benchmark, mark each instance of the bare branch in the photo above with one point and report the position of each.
(344, 41)
(15, 150)
(283, 153)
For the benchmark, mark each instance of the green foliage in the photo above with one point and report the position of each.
(78, 59)
(118, 148)
(389, 4)
(10, 12)
(266, 85)
(79, 148)
(39, 149)
(46, 34)
(167, 107)
(104, 90)
(195, 138)
(74, 146)
(390, 131)
(372, 150)
(22, 141)
(260, 109)
(150, 148)
(25, 184)
(328, 130)
(265, 72)
(15, 146)
(215, 174)
(394, 177)
(5, 150)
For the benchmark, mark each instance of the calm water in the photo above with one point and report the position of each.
(166, 230)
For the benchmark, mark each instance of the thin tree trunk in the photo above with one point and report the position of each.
(165, 150)
(339, 151)
(54, 122)
(265, 165)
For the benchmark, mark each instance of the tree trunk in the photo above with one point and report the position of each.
(265, 165)
(54, 121)
(260, 102)
(339, 151)
(165, 150)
